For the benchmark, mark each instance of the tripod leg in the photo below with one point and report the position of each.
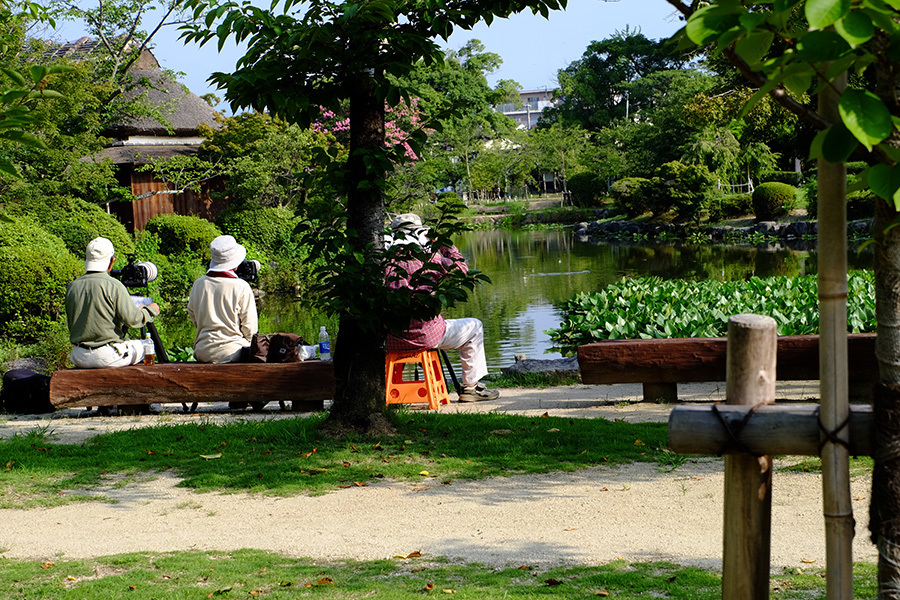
(446, 360)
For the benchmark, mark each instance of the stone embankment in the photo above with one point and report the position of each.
(792, 231)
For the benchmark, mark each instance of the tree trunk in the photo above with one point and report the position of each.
(885, 508)
(359, 352)
(884, 515)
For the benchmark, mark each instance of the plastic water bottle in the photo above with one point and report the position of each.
(324, 344)
(149, 351)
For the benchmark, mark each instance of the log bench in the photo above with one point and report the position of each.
(661, 364)
(306, 385)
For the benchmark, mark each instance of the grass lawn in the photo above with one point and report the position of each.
(258, 574)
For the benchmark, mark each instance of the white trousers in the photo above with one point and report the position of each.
(120, 354)
(468, 336)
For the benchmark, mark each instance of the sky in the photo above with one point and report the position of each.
(533, 49)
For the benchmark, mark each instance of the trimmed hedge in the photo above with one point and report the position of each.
(37, 267)
(181, 233)
(773, 200)
(268, 229)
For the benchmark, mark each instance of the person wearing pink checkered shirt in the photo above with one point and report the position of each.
(466, 335)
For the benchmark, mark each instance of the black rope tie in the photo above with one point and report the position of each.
(732, 435)
(832, 436)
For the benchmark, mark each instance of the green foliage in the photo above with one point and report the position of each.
(632, 195)
(791, 178)
(75, 221)
(654, 308)
(773, 200)
(594, 89)
(681, 188)
(268, 229)
(37, 267)
(585, 188)
(730, 206)
(182, 233)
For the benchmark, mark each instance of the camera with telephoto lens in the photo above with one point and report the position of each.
(136, 274)
(248, 270)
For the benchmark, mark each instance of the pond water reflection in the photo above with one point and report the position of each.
(532, 271)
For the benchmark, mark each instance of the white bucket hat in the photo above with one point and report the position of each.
(407, 228)
(98, 254)
(226, 253)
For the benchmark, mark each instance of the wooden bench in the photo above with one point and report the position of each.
(305, 384)
(661, 364)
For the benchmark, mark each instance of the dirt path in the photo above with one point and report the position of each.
(593, 516)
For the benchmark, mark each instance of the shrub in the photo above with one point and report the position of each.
(730, 206)
(36, 269)
(792, 178)
(268, 229)
(631, 195)
(585, 189)
(682, 188)
(773, 200)
(181, 233)
(75, 221)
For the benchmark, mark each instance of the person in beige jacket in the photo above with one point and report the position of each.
(222, 307)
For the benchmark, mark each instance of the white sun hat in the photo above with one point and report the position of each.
(407, 228)
(226, 253)
(98, 254)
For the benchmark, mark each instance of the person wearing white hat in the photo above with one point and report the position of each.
(99, 312)
(466, 335)
(222, 307)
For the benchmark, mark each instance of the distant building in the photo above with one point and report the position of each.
(533, 103)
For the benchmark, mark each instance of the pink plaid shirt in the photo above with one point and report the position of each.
(423, 334)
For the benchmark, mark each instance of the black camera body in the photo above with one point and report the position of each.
(248, 270)
(136, 274)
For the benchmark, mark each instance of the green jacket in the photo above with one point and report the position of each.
(99, 310)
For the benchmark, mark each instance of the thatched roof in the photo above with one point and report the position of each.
(181, 108)
(143, 154)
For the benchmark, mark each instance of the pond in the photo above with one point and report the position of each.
(532, 271)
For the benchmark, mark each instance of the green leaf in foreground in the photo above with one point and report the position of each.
(866, 116)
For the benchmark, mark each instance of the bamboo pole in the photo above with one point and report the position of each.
(833, 387)
(787, 429)
(750, 372)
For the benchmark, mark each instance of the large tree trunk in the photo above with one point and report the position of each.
(884, 515)
(359, 352)
(884, 521)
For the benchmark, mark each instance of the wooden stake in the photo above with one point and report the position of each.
(750, 372)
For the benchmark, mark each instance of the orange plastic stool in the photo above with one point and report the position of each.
(432, 389)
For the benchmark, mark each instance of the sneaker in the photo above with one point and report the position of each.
(479, 393)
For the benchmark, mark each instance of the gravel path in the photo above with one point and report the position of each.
(589, 517)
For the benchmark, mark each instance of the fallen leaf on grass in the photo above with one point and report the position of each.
(552, 581)
(308, 454)
(424, 473)
(545, 415)
(639, 443)
(325, 581)
(524, 567)
(553, 430)
(360, 484)
(46, 565)
(449, 591)
(415, 554)
(429, 586)
(501, 432)
(211, 456)
(601, 593)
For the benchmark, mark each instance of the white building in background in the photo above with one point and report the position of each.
(533, 103)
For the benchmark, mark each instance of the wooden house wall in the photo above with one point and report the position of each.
(135, 215)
